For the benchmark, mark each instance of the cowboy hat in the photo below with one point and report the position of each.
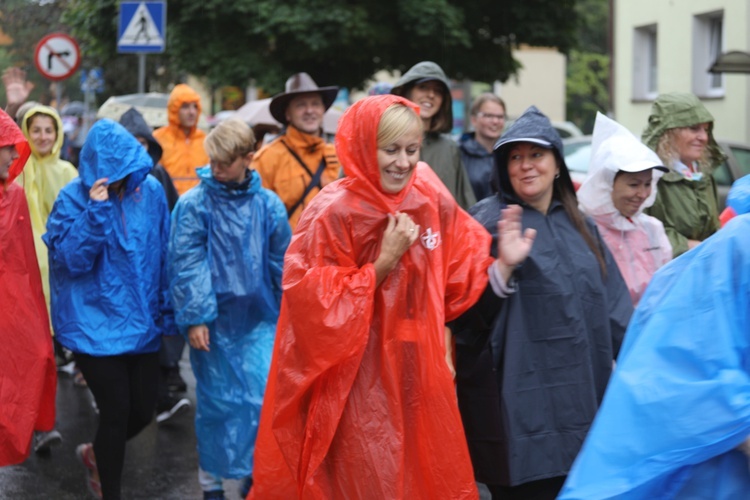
(300, 83)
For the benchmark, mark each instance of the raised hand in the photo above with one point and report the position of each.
(512, 246)
(17, 88)
(98, 191)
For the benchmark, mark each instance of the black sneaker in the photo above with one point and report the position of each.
(246, 485)
(214, 495)
(175, 382)
(44, 441)
(170, 407)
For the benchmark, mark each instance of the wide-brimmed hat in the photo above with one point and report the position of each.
(300, 83)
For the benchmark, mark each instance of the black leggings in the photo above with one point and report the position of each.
(124, 388)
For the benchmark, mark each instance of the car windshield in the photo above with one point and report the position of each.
(577, 156)
(742, 156)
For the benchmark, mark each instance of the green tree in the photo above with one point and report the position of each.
(337, 41)
(94, 25)
(588, 71)
(26, 22)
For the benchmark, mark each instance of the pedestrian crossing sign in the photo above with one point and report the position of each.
(142, 27)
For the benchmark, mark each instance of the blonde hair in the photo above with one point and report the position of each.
(396, 121)
(668, 153)
(230, 140)
(485, 97)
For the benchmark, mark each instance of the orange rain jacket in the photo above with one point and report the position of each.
(182, 154)
(282, 173)
(360, 402)
(28, 375)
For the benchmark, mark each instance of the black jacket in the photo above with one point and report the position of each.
(479, 165)
(532, 368)
(133, 121)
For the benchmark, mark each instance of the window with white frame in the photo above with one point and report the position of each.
(645, 63)
(708, 44)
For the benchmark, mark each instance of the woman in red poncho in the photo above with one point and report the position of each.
(28, 376)
(360, 401)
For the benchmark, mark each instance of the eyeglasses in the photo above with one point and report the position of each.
(490, 116)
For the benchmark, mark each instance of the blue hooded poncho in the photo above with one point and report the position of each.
(678, 403)
(226, 257)
(108, 258)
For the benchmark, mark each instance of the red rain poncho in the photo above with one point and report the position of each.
(360, 402)
(28, 375)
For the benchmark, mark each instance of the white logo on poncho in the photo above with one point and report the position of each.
(431, 240)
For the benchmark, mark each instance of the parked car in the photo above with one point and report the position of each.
(577, 151)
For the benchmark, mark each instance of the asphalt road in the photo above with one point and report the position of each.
(160, 463)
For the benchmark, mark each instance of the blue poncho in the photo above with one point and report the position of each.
(108, 258)
(678, 402)
(226, 256)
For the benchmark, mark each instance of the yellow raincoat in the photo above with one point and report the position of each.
(182, 153)
(42, 179)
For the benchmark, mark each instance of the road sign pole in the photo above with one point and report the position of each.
(88, 100)
(141, 73)
(58, 96)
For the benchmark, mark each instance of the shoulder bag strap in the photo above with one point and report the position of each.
(314, 182)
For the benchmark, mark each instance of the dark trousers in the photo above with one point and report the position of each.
(544, 489)
(124, 388)
(170, 354)
(170, 351)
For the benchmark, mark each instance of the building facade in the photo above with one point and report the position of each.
(668, 45)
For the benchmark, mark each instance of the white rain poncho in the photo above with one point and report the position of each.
(639, 243)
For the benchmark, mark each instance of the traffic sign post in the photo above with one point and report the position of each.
(142, 29)
(91, 81)
(57, 57)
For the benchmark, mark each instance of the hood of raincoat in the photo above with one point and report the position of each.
(532, 126)
(54, 155)
(424, 71)
(614, 148)
(134, 123)
(11, 135)
(111, 151)
(739, 196)
(471, 147)
(680, 109)
(251, 185)
(180, 95)
(357, 147)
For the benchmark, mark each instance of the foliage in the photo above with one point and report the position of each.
(339, 42)
(94, 25)
(26, 22)
(587, 87)
(589, 65)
